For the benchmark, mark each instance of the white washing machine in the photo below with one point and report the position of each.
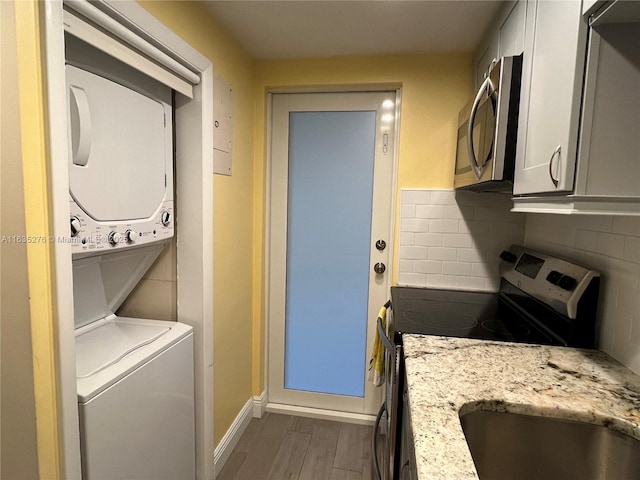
(135, 377)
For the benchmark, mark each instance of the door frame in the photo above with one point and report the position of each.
(293, 409)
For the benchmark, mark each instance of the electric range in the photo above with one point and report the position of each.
(542, 300)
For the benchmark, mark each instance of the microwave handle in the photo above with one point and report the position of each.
(487, 85)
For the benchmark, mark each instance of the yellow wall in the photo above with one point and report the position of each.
(434, 89)
(37, 227)
(232, 215)
(19, 459)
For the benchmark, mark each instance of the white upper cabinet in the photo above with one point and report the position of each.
(555, 43)
(512, 31)
(579, 138)
(505, 37)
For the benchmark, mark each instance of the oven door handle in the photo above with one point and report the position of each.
(374, 441)
(388, 346)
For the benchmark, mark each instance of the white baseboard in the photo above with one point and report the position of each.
(230, 440)
(334, 415)
(259, 405)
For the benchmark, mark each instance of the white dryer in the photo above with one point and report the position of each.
(135, 377)
(120, 163)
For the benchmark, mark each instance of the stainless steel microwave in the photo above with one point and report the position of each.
(487, 130)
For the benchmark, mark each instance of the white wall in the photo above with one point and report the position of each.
(452, 239)
(612, 246)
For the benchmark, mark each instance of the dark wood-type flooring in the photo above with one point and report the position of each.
(278, 447)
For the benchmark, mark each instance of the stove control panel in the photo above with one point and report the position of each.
(555, 281)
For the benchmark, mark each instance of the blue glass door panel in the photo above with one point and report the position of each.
(330, 188)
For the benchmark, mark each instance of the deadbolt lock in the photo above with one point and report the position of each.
(381, 245)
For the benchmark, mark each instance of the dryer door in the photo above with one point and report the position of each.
(120, 148)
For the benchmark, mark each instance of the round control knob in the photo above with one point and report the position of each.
(165, 218)
(74, 224)
(379, 268)
(114, 238)
(130, 236)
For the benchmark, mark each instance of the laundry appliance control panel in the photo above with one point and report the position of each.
(88, 236)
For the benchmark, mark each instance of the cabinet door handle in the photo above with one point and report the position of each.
(556, 153)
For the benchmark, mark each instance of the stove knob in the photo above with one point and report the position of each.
(75, 226)
(130, 236)
(508, 257)
(113, 238)
(554, 277)
(165, 218)
(567, 282)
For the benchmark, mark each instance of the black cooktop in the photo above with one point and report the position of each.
(455, 313)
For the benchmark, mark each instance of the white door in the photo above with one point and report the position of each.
(331, 202)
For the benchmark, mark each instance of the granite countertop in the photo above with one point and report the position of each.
(448, 376)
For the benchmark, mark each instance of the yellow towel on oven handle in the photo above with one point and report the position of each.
(376, 363)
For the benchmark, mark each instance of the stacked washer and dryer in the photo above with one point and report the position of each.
(135, 377)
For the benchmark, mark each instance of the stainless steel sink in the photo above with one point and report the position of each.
(519, 447)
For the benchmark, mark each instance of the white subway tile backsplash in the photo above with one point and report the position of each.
(415, 197)
(442, 197)
(408, 211)
(441, 281)
(429, 239)
(457, 240)
(586, 240)
(414, 225)
(429, 211)
(405, 265)
(456, 268)
(610, 245)
(451, 211)
(409, 278)
(413, 253)
(481, 270)
(626, 226)
(463, 233)
(442, 253)
(427, 266)
(471, 255)
(444, 225)
(632, 249)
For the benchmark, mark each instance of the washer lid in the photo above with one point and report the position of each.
(106, 345)
(112, 348)
(117, 162)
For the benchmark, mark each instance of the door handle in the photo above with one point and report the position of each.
(379, 268)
